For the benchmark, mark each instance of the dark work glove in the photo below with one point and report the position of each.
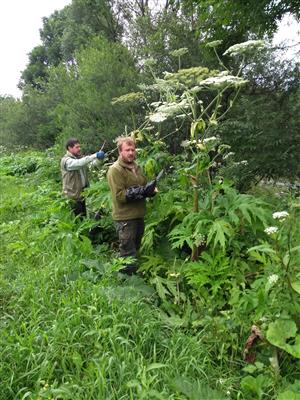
(141, 192)
(135, 193)
(149, 188)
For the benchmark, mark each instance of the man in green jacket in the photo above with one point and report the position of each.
(129, 189)
(74, 174)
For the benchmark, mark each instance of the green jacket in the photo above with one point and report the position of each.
(120, 177)
(74, 174)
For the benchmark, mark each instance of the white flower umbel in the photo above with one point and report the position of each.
(210, 139)
(173, 107)
(158, 117)
(280, 215)
(272, 279)
(230, 154)
(245, 47)
(223, 80)
(271, 230)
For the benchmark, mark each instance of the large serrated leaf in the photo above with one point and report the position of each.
(296, 286)
(278, 334)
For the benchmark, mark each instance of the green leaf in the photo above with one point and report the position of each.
(289, 395)
(155, 366)
(280, 331)
(196, 127)
(296, 286)
(254, 387)
(219, 230)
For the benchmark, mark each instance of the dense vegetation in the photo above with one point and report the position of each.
(214, 311)
(221, 327)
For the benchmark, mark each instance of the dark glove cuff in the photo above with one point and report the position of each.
(135, 193)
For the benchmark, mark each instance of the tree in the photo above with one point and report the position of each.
(103, 71)
(36, 73)
(64, 33)
(263, 127)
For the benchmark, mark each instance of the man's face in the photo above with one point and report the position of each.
(127, 152)
(75, 150)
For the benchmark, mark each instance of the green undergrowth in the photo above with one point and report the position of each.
(71, 328)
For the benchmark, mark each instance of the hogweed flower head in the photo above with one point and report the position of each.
(280, 215)
(272, 279)
(210, 139)
(245, 47)
(271, 230)
(158, 117)
(223, 80)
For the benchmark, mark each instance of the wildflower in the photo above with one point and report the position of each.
(187, 143)
(281, 215)
(179, 52)
(223, 80)
(214, 43)
(195, 89)
(156, 104)
(210, 139)
(174, 274)
(271, 229)
(272, 279)
(243, 162)
(230, 154)
(133, 97)
(158, 117)
(245, 47)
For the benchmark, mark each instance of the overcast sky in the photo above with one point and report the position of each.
(20, 21)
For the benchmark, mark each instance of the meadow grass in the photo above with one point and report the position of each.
(70, 328)
(68, 332)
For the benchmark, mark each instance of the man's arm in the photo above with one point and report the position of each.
(73, 164)
(124, 195)
(116, 184)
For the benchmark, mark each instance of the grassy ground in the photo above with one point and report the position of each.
(71, 330)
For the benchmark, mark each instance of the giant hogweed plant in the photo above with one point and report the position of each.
(213, 216)
(194, 96)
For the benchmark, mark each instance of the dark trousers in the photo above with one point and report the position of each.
(78, 207)
(130, 237)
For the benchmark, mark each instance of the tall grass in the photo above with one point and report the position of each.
(69, 331)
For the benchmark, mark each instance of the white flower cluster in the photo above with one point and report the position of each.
(210, 139)
(272, 279)
(158, 117)
(281, 215)
(242, 48)
(270, 230)
(223, 80)
(165, 110)
(230, 154)
(243, 162)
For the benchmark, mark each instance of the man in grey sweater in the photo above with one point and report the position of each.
(74, 174)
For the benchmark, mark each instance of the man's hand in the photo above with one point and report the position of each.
(149, 188)
(141, 192)
(100, 155)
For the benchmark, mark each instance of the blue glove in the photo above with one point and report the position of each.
(100, 155)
